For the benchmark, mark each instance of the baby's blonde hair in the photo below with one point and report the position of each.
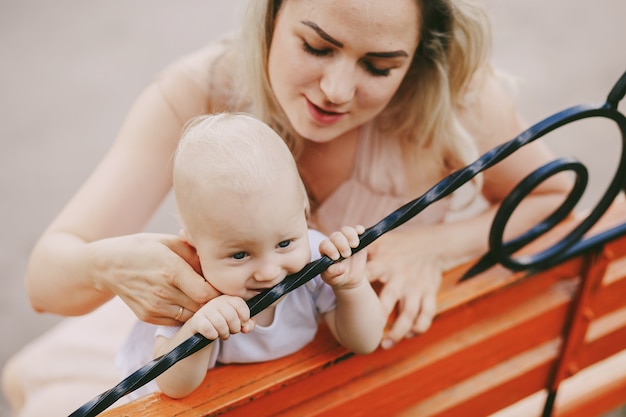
(230, 152)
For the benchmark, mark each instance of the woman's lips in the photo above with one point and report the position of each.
(322, 116)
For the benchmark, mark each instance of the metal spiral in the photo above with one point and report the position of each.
(573, 243)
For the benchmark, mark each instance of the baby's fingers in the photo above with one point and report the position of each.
(352, 235)
(341, 243)
(248, 326)
(334, 271)
(227, 315)
(328, 248)
(345, 240)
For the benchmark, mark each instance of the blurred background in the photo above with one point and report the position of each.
(70, 70)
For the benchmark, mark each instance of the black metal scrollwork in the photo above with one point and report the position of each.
(499, 251)
(572, 244)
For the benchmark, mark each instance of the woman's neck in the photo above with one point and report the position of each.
(325, 166)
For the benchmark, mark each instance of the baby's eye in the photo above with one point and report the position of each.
(239, 255)
(284, 243)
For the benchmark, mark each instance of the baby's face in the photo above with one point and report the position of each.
(252, 242)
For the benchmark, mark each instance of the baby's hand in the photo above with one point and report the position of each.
(351, 271)
(221, 317)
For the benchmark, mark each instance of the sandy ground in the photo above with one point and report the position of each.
(71, 69)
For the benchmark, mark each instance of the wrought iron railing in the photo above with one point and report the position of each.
(500, 252)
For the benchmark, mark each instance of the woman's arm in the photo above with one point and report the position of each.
(92, 251)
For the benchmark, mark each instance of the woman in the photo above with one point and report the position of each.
(378, 100)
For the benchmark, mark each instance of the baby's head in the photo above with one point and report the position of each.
(240, 199)
(238, 149)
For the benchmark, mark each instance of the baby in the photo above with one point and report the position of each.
(244, 208)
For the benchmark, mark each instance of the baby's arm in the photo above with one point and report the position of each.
(358, 320)
(220, 317)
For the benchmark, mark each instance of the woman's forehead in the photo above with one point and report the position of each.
(380, 23)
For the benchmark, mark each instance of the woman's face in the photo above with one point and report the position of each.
(334, 65)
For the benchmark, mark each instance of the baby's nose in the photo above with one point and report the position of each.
(268, 271)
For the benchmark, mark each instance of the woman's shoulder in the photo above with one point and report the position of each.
(488, 109)
(200, 81)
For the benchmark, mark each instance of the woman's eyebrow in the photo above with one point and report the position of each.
(330, 39)
(322, 34)
(390, 54)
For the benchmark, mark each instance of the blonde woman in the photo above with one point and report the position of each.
(377, 100)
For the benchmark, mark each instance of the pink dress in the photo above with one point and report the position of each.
(375, 188)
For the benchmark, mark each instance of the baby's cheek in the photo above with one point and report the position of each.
(303, 258)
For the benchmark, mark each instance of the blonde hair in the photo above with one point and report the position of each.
(233, 151)
(454, 44)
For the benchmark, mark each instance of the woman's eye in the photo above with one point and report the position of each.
(284, 243)
(239, 255)
(372, 69)
(315, 52)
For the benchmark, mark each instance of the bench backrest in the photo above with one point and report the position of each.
(498, 338)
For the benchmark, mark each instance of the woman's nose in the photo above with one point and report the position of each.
(338, 83)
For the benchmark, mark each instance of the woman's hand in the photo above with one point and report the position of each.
(156, 275)
(410, 272)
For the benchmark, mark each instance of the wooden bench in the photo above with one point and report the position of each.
(500, 340)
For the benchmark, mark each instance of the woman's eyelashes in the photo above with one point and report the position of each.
(372, 69)
(368, 66)
(315, 52)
